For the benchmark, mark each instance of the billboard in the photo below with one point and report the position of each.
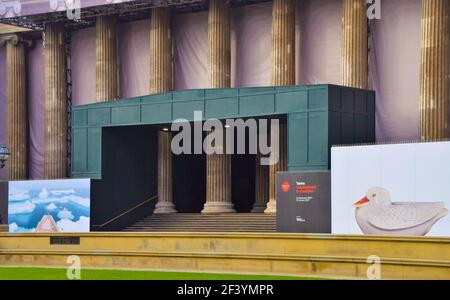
(394, 189)
(49, 205)
(304, 202)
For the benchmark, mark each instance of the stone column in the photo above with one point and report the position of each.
(106, 82)
(283, 73)
(160, 51)
(354, 61)
(283, 42)
(55, 161)
(218, 166)
(160, 82)
(261, 186)
(165, 188)
(17, 123)
(434, 70)
(279, 136)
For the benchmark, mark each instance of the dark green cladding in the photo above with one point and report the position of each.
(318, 116)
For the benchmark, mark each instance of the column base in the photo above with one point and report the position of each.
(218, 208)
(271, 207)
(259, 209)
(164, 208)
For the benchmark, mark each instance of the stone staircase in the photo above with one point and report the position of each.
(236, 222)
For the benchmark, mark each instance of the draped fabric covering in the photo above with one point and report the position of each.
(83, 66)
(36, 109)
(319, 35)
(394, 66)
(134, 60)
(190, 39)
(394, 60)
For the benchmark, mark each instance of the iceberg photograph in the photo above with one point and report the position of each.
(49, 205)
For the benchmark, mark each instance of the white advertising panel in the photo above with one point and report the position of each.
(394, 189)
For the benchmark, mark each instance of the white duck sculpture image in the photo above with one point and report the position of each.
(376, 214)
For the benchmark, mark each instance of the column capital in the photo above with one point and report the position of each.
(15, 39)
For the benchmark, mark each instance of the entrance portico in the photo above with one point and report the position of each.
(316, 117)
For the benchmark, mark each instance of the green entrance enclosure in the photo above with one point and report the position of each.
(318, 117)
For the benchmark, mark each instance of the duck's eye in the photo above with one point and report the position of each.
(374, 195)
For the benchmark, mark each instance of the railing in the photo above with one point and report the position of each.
(125, 213)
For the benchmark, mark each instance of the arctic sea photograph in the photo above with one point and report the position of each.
(49, 205)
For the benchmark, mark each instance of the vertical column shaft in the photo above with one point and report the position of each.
(165, 187)
(161, 80)
(218, 166)
(283, 42)
(106, 59)
(354, 62)
(55, 165)
(434, 70)
(283, 73)
(161, 77)
(219, 53)
(261, 186)
(17, 108)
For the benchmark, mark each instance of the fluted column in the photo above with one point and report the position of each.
(218, 166)
(283, 42)
(354, 61)
(219, 53)
(283, 73)
(165, 187)
(434, 70)
(55, 161)
(16, 106)
(160, 51)
(160, 82)
(106, 59)
(261, 186)
(278, 135)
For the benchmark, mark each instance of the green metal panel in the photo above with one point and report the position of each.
(185, 110)
(297, 139)
(294, 101)
(219, 108)
(79, 150)
(318, 116)
(221, 93)
(255, 105)
(125, 115)
(94, 152)
(99, 116)
(318, 99)
(188, 94)
(318, 138)
(157, 113)
(79, 118)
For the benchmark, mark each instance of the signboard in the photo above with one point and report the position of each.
(49, 205)
(396, 189)
(304, 202)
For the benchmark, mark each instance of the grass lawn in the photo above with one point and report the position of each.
(60, 274)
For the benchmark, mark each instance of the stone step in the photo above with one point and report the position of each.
(234, 222)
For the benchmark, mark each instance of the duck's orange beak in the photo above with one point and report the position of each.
(361, 202)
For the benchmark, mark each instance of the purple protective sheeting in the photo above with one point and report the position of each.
(251, 30)
(319, 49)
(190, 38)
(83, 66)
(36, 109)
(3, 104)
(134, 60)
(394, 69)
